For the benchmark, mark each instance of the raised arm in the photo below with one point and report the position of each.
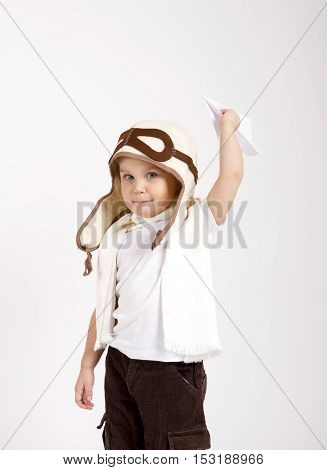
(223, 192)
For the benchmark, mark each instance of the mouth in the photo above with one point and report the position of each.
(141, 202)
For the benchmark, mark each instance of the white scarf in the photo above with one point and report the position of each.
(150, 221)
(189, 308)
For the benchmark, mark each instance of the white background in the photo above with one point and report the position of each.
(121, 62)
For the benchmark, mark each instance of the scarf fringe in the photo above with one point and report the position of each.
(190, 353)
(198, 352)
(100, 344)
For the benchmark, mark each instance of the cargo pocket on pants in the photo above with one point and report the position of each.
(193, 439)
(106, 437)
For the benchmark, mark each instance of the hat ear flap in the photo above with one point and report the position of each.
(106, 212)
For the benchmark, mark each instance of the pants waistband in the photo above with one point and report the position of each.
(148, 361)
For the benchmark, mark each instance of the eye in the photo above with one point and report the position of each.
(150, 173)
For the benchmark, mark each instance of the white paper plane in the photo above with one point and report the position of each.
(243, 132)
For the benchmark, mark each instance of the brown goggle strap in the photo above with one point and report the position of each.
(130, 137)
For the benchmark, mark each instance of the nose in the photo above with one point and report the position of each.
(139, 186)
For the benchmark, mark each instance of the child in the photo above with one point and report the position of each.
(155, 305)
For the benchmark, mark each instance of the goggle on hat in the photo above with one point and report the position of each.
(169, 147)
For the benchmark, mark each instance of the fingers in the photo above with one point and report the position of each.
(87, 397)
(83, 398)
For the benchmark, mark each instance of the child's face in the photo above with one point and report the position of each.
(143, 181)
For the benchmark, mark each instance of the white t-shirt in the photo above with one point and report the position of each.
(139, 331)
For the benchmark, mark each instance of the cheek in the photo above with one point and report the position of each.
(167, 190)
(123, 186)
(161, 187)
(123, 190)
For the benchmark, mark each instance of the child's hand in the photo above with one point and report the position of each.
(83, 388)
(229, 118)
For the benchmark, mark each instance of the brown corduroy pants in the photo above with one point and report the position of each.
(153, 404)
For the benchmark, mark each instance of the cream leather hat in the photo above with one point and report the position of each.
(163, 143)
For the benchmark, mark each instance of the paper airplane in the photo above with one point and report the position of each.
(243, 132)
